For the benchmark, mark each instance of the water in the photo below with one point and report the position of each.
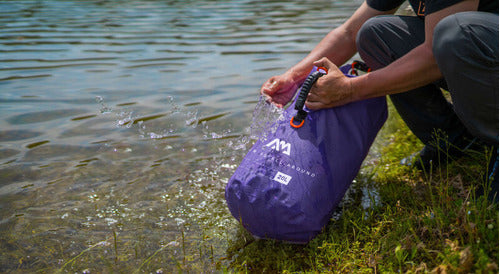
(121, 121)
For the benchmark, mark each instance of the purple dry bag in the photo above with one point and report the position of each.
(289, 183)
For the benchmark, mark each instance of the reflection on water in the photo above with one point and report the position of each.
(120, 122)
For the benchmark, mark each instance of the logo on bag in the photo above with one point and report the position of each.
(282, 178)
(281, 146)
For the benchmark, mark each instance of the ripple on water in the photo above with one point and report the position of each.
(45, 152)
(6, 153)
(14, 135)
(43, 116)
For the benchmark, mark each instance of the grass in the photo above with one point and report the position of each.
(422, 223)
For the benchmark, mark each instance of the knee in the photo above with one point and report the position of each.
(369, 42)
(367, 35)
(468, 36)
(383, 39)
(446, 39)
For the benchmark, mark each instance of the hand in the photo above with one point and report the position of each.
(331, 90)
(279, 90)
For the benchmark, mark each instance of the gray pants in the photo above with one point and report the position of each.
(466, 49)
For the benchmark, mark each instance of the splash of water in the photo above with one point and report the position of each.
(265, 118)
(130, 119)
(213, 157)
(104, 109)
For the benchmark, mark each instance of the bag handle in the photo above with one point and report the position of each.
(298, 120)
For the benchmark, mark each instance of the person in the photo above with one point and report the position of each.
(449, 44)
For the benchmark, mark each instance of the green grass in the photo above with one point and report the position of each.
(422, 222)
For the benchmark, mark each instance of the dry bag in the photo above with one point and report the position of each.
(289, 183)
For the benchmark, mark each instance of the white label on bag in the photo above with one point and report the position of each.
(282, 178)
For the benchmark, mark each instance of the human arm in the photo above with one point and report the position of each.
(338, 45)
(415, 69)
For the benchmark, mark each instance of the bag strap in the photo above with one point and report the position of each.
(359, 65)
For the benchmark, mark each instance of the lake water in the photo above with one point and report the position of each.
(121, 121)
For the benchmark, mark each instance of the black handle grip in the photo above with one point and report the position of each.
(306, 87)
(301, 99)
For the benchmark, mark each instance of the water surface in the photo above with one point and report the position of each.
(121, 121)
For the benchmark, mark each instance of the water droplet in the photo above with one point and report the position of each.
(180, 221)
(104, 108)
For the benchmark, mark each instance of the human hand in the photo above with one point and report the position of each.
(279, 90)
(331, 90)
